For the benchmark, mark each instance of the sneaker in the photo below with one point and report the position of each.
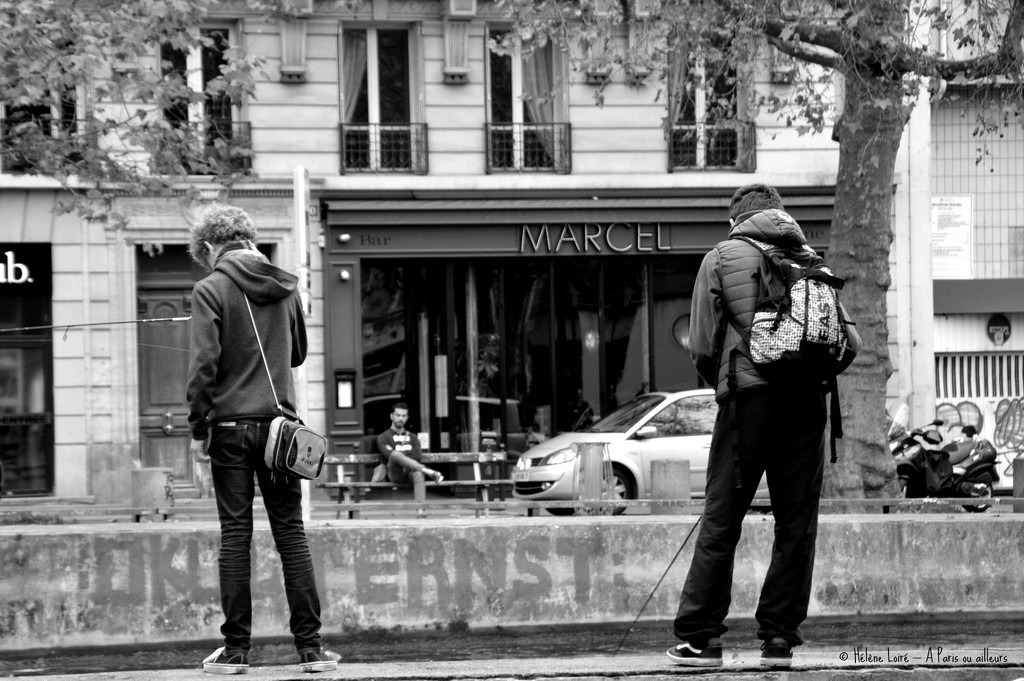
(318, 661)
(222, 662)
(434, 475)
(687, 654)
(776, 652)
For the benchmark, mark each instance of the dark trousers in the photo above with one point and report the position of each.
(780, 433)
(236, 455)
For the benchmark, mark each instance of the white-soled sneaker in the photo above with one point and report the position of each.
(221, 662)
(318, 661)
(688, 655)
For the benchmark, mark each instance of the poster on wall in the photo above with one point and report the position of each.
(953, 237)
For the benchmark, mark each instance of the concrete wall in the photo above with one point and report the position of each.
(103, 585)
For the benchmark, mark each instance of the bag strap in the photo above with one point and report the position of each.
(266, 366)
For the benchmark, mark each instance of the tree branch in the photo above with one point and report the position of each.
(818, 35)
(812, 54)
(1003, 62)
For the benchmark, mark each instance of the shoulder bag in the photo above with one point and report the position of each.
(292, 448)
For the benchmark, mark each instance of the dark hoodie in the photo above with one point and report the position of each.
(728, 280)
(226, 376)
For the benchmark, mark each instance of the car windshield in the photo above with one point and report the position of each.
(623, 418)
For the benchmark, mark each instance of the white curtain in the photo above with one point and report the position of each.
(539, 93)
(677, 75)
(353, 70)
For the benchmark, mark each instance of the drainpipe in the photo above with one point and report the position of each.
(918, 218)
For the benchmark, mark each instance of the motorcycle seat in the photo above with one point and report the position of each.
(958, 451)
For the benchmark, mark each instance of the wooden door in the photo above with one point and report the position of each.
(163, 368)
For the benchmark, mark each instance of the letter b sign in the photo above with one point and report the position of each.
(12, 272)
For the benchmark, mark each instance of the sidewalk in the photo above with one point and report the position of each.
(947, 650)
(808, 666)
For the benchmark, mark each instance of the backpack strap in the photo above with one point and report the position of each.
(734, 429)
(835, 418)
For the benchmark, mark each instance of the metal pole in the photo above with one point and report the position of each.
(300, 198)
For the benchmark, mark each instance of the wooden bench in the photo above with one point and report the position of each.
(348, 491)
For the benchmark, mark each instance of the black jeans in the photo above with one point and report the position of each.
(236, 455)
(780, 434)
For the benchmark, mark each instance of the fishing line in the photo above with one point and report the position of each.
(651, 595)
(68, 327)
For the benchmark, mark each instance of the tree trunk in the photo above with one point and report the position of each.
(869, 135)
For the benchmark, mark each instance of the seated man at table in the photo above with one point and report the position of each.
(400, 449)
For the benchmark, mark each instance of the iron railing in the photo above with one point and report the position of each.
(722, 146)
(529, 147)
(384, 148)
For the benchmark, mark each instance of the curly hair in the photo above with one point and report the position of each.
(754, 197)
(219, 224)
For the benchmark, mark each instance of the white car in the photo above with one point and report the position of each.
(653, 426)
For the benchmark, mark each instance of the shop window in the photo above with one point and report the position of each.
(25, 126)
(378, 77)
(706, 107)
(26, 368)
(214, 138)
(525, 92)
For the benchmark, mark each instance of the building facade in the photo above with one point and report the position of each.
(485, 244)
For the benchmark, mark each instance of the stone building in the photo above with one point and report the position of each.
(484, 244)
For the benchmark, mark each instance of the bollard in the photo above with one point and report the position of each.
(152, 488)
(594, 479)
(670, 479)
(1018, 484)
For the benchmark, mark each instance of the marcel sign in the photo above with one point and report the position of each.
(595, 238)
(25, 269)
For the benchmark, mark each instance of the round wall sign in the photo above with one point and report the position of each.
(998, 328)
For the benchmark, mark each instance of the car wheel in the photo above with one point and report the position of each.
(624, 487)
(983, 479)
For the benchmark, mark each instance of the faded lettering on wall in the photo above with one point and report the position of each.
(166, 586)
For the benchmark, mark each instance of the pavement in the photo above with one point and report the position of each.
(920, 648)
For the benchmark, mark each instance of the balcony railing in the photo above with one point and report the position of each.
(529, 147)
(210, 147)
(723, 146)
(384, 148)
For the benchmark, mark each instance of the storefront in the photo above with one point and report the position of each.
(26, 370)
(505, 320)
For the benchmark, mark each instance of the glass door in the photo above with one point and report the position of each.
(492, 353)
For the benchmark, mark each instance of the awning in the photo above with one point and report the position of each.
(491, 223)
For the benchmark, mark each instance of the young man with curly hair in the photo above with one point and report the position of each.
(231, 405)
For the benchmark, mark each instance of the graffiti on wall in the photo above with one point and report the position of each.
(1009, 431)
(166, 586)
(455, 576)
(1000, 420)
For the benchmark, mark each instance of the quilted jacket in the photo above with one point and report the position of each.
(728, 283)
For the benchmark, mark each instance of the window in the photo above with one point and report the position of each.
(26, 369)
(210, 124)
(707, 132)
(525, 107)
(23, 126)
(377, 132)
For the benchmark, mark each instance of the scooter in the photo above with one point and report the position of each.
(974, 466)
(965, 467)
